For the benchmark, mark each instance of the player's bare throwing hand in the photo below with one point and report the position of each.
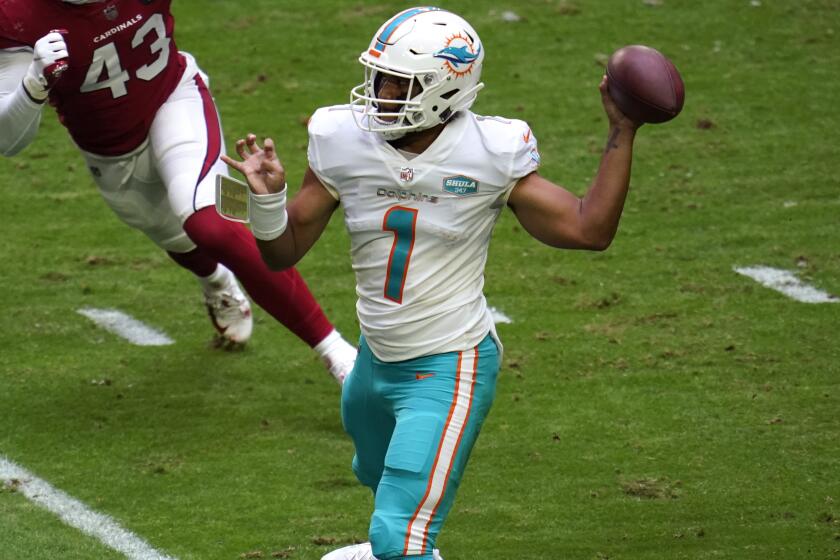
(260, 166)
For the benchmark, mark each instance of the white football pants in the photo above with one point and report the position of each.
(159, 185)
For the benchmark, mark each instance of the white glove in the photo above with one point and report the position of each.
(48, 63)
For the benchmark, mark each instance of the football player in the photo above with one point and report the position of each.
(422, 181)
(142, 115)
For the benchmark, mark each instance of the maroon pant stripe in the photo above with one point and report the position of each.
(214, 130)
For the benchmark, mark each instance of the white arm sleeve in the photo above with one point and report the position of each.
(20, 116)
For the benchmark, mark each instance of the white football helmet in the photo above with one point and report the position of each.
(441, 56)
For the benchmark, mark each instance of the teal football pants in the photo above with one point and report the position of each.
(413, 424)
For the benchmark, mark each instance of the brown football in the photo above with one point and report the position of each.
(644, 84)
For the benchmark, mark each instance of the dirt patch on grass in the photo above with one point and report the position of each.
(652, 488)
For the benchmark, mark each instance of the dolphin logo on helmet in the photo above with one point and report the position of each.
(457, 56)
(459, 59)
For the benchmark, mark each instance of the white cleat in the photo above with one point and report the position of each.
(338, 355)
(361, 551)
(230, 313)
(353, 552)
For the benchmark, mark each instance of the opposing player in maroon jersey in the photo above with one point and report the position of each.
(141, 114)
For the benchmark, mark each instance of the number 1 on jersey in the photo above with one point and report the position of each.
(402, 222)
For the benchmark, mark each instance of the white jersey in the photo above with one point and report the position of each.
(420, 228)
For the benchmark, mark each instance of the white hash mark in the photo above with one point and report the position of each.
(126, 326)
(499, 316)
(75, 513)
(787, 283)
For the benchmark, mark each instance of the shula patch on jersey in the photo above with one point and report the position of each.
(460, 185)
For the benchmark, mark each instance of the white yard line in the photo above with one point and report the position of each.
(126, 326)
(76, 514)
(499, 317)
(786, 282)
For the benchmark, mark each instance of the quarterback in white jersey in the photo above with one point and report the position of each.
(422, 181)
(420, 227)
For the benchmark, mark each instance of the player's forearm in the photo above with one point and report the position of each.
(270, 225)
(20, 119)
(298, 236)
(278, 254)
(307, 217)
(603, 203)
(20, 115)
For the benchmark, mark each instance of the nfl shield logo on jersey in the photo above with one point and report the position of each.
(406, 174)
(111, 12)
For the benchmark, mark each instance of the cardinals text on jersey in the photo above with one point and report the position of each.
(123, 65)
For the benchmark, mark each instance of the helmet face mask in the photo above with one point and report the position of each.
(82, 1)
(439, 56)
(388, 112)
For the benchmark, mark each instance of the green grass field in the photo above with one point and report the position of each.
(653, 403)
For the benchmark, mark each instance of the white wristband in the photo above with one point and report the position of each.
(267, 214)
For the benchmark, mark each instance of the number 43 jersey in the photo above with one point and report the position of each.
(420, 226)
(123, 65)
